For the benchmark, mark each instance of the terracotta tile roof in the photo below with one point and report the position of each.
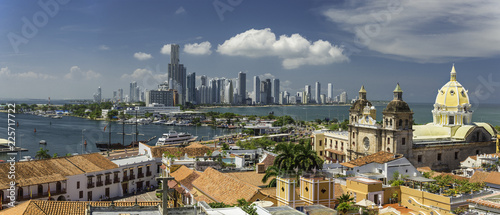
(485, 202)
(269, 191)
(250, 177)
(54, 169)
(203, 198)
(479, 176)
(379, 157)
(35, 207)
(158, 151)
(185, 176)
(224, 188)
(493, 178)
(268, 161)
(338, 190)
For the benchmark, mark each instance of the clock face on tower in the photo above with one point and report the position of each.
(366, 142)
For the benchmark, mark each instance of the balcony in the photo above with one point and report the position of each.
(90, 185)
(148, 173)
(116, 180)
(42, 195)
(99, 183)
(132, 177)
(125, 178)
(140, 175)
(108, 181)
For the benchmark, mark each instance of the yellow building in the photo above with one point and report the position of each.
(313, 190)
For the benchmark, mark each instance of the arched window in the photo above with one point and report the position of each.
(58, 187)
(353, 144)
(406, 122)
(400, 122)
(388, 149)
(388, 140)
(366, 142)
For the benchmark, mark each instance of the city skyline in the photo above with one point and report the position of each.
(84, 45)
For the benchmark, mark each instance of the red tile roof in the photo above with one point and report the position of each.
(379, 157)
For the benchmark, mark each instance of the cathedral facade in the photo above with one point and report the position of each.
(440, 145)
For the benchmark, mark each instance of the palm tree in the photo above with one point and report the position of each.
(42, 154)
(271, 171)
(345, 198)
(344, 207)
(286, 157)
(306, 158)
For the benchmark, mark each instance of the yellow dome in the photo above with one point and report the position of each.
(452, 95)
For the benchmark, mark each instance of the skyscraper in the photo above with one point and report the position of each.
(203, 80)
(120, 95)
(228, 92)
(317, 93)
(330, 93)
(256, 89)
(177, 73)
(191, 88)
(343, 97)
(306, 98)
(265, 89)
(276, 90)
(242, 87)
(98, 95)
(131, 96)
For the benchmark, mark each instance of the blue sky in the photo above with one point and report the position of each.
(70, 48)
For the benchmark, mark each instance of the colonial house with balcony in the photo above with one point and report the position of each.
(87, 177)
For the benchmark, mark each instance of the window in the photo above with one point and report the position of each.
(320, 153)
(106, 192)
(388, 140)
(403, 141)
(320, 143)
(406, 122)
(89, 196)
(77, 185)
(353, 135)
(366, 141)
(456, 155)
(81, 194)
(400, 123)
(419, 158)
(439, 157)
(451, 120)
(477, 152)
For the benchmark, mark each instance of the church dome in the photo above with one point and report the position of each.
(361, 103)
(397, 106)
(452, 96)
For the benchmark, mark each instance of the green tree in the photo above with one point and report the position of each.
(42, 154)
(285, 160)
(112, 113)
(54, 155)
(271, 171)
(345, 198)
(148, 114)
(306, 158)
(345, 207)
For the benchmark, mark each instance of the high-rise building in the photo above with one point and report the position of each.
(191, 88)
(256, 89)
(317, 95)
(276, 90)
(213, 91)
(177, 73)
(265, 92)
(306, 98)
(120, 95)
(98, 95)
(131, 95)
(242, 87)
(115, 96)
(162, 95)
(330, 93)
(228, 92)
(343, 97)
(203, 80)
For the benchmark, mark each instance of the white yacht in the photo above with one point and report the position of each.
(173, 137)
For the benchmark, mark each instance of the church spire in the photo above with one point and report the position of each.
(453, 74)
(398, 93)
(362, 93)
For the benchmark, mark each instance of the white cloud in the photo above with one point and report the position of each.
(6, 73)
(104, 47)
(75, 73)
(422, 31)
(166, 49)
(140, 74)
(142, 56)
(295, 50)
(180, 10)
(266, 76)
(202, 48)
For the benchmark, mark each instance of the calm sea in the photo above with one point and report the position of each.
(65, 135)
